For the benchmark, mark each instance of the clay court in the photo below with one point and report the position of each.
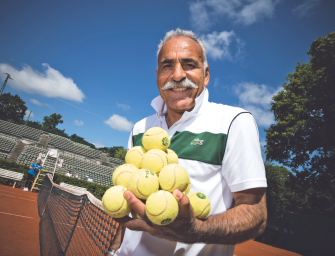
(19, 227)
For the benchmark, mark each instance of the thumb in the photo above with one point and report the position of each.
(185, 208)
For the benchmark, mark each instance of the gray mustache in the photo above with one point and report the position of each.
(184, 83)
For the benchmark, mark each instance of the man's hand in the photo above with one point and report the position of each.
(244, 221)
(181, 229)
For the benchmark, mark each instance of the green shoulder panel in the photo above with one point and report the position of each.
(204, 147)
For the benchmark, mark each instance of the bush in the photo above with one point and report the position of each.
(95, 189)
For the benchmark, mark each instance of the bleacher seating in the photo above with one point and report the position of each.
(6, 144)
(66, 144)
(99, 173)
(20, 131)
(116, 161)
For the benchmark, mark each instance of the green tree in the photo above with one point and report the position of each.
(50, 123)
(81, 140)
(277, 191)
(12, 108)
(303, 136)
(120, 153)
(34, 124)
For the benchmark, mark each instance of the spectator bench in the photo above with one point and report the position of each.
(16, 176)
(73, 187)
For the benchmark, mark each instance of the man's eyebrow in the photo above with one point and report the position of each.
(167, 61)
(190, 60)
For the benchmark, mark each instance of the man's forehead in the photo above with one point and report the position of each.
(180, 45)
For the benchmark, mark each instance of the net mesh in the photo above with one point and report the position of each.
(72, 222)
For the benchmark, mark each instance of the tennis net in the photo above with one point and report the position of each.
(72, 222)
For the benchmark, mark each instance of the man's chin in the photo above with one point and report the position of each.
(181, 105)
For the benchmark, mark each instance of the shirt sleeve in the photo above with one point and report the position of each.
(130, 141)
(242, 165)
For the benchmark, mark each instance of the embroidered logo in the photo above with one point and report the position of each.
(196, 142)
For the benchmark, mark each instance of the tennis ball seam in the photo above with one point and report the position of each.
(203, 210)
(159, 157)
(138, 179)
(174, 174)
(166, 205)
(120, 174)
(136, 152)
(117, 209)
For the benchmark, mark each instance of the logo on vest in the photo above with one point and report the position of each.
(196, 142)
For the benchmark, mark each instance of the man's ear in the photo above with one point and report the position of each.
(207, 76)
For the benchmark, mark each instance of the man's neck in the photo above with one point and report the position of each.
(172, 116)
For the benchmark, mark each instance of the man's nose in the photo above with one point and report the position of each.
(178, 73)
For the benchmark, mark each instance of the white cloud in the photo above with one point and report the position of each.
(256, 99)
(50, 83)
(245, 12)
(305, 8)
(262, 142)
(119, 123)
(98, 144)
(36, 102)
(123, 106)
(78, 123)
(49, 106)
(219, 45)
(216, 82)
(27, 114)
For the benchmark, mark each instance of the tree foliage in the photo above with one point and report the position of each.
(12, 108)
(120, 153)
(303, 136)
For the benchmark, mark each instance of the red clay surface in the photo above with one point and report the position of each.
(19, 225)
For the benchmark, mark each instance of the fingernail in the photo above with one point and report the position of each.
(178, 194)
(126, 195)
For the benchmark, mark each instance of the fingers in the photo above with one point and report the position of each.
(185, 208)
(135, 203)
(135, 224)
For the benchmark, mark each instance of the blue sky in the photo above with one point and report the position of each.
(100, 56)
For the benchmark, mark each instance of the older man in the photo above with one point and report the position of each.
(225, 163)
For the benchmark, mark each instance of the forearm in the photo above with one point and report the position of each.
(117, 241)
(236, 225)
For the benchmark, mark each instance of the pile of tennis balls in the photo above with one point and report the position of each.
(152, 173)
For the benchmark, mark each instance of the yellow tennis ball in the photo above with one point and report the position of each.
(156, 138)
(173, 176)
(172, 156)
(134, 156)
(200, 204)
(187, 190)
(161, 208)
(143, 183)
(154, 160)
(114, 203)
(122, 174)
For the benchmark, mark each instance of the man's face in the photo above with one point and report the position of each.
(39, 162)
(181, 58)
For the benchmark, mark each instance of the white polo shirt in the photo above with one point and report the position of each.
(219, 147)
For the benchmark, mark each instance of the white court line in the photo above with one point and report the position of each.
(17, 215)
(19, 197)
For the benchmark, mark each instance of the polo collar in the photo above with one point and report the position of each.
(200, 103)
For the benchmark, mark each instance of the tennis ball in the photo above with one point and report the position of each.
(122, 174)
(187, 190)
(114, 204)
(200, 204)
(156, 138)
(172, 156)
(143, 183)
(154, 160)
(161, 208)
(134, 156)
(173, 176)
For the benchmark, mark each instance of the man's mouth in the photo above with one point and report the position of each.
(179, 89)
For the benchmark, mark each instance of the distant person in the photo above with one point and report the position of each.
(69, 174)
(86, 178)
(77, 177)
(34, 169)
(90, 179)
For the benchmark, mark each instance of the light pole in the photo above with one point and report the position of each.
(4, 84)
(28, 118)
